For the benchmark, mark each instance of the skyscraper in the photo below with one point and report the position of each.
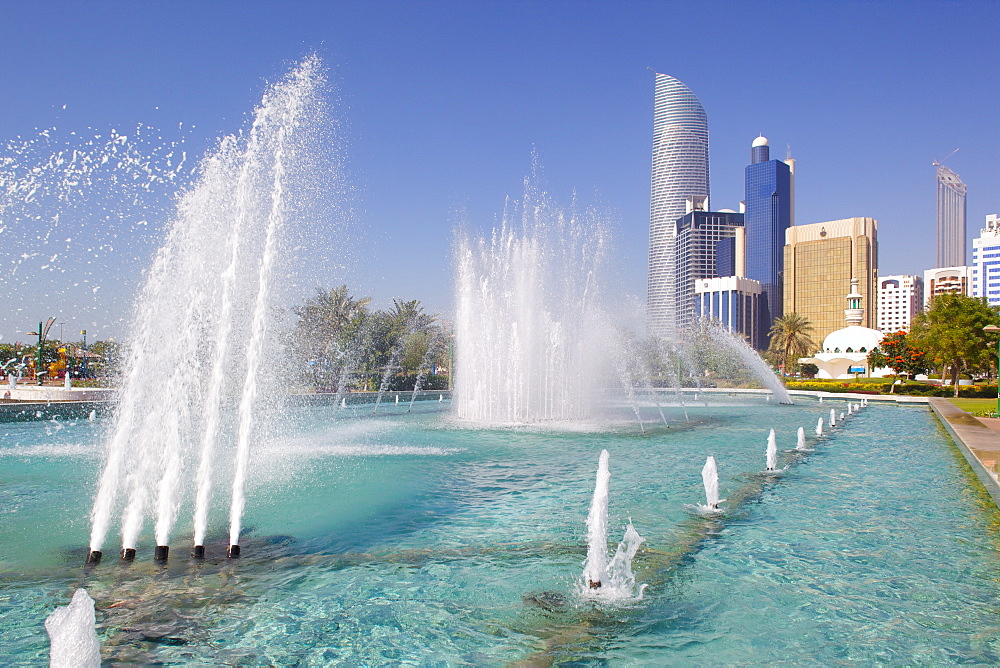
(950, 218)
(768, 215)
(680, 170)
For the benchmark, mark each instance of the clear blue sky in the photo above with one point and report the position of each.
(444, 101)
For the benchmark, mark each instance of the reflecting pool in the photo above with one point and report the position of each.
(395, 537)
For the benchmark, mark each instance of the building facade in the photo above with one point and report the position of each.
(822, 258)
(698, 236)
(986, 261)
(768, 215)
(732, 300)
(680, 170)
(950, 218)
(899, 299)
(946, 280)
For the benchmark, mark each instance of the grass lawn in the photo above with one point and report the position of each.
(975, 405)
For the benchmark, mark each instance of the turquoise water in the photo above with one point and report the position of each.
(413, 539)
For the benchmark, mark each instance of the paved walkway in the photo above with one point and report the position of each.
(977, 438)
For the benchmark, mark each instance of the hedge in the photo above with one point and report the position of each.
(910, 389)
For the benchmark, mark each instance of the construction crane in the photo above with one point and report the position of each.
(938, 163)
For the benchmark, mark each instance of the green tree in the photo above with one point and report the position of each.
(877, 359)
(791, 338)
(329, 334)
(900, 354)
(809, 370)
(339, 343)
(951, 331)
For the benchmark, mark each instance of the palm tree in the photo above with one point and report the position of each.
(790, 338)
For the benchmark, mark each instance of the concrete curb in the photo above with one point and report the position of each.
(978, 443)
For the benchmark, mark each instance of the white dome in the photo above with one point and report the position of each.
(759, 141)
(854, 338)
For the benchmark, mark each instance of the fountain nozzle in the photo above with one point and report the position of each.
(198, 552)
(594, 584)
(161, 552)
(128, 554)
(94, 557)
(233, 552)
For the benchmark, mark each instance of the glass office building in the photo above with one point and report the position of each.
(732, 300)
(768, 215)
(698, 236)
(680, 170)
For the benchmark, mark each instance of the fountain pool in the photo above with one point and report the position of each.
(412, 537)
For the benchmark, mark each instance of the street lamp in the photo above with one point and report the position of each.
(84, 332)
(994, 329)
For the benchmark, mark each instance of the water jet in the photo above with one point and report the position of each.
(772, 452)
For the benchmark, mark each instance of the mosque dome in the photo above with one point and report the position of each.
(759, 141)
(852, 339)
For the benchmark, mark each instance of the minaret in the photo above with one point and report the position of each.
(854, 313)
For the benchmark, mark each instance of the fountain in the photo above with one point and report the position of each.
(214, 310)
(610, 580)
(72, 634)
(596, 567)
(425, 366)
(772, 452)
(800, 438)
(532, 338)
(710, 478)
(833, 418)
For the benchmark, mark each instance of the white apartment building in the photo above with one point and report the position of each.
(986, 261)
(899, 299)
(944, 280)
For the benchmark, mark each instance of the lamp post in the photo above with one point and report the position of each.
(994, 329)
(84, 332)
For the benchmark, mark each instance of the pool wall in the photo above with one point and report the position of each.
(979, 444)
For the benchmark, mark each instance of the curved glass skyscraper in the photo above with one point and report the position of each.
(680, 170)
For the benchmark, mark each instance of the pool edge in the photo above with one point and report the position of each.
(979, 444)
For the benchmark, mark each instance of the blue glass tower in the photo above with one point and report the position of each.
(768, 215)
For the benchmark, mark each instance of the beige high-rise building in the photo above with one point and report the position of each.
(820, 259)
